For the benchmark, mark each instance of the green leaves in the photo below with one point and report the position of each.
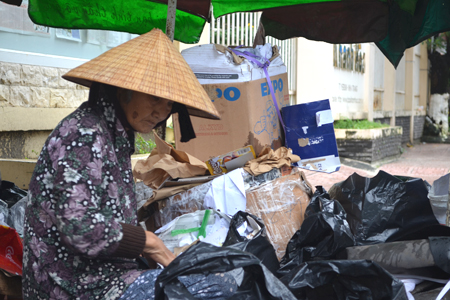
(142, 146)
(357, 124)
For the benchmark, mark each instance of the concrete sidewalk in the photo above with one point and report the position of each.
(426, 161)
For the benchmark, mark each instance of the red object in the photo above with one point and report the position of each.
(11, 250)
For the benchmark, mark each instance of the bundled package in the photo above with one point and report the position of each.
(281, 204)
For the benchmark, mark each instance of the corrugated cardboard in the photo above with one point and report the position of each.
(248, 117)
(281, 204)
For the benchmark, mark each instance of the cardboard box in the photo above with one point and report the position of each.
(281, 204)
(241, 94)
(248, 117)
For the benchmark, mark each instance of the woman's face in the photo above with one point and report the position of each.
(144, 111)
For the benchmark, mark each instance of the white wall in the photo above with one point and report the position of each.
(318, 79)
(21, 41)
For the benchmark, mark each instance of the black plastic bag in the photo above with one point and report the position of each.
(343, 280)
(323, 234)
(258, 243)
(439, 247)
(10, 193)
(383, 208)
(408, 259)
(257, 283)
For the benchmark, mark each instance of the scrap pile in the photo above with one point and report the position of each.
(367, 238)
(235, 200)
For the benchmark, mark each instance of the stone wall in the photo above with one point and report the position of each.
(386, 147)
(371, 145)
(37, 86)
(405, 123)
(33, 99)
(419, 123)
(383, 120)
(360, 150)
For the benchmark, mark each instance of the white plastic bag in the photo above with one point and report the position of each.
(187, 228)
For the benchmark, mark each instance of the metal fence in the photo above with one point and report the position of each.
(239, 29)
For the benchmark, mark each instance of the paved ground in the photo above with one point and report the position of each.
(426, 161)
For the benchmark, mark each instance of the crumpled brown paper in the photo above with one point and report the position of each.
(166, 192)
(269, 159)
(165, 162)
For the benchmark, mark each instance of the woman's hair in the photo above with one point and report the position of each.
(109, 90)
(128, 94)
(187, 131)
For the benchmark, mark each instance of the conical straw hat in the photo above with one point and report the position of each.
(149, 64)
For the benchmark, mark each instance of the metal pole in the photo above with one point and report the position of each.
(170, 22)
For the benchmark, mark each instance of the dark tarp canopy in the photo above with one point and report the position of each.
(394, 25)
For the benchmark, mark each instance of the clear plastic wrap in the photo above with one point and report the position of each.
(251, 181)
(207, 225)
(17, 215)
(281, 204)
(143, 193)
(174, 206)
(4, 212)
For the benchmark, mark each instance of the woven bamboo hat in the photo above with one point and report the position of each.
(152, 65)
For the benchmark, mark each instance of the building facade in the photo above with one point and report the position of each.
(359, 82)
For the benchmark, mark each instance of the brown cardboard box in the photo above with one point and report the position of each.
(248, 117)
(281, 204)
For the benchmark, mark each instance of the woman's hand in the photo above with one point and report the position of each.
(155, 249)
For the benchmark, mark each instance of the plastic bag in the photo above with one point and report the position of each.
(257, 282)
(438, 195)
(382, 208)
(248, 233)
(10, 193)
(323, 234)
(343, 280)
(17, 215)
(209, 224)
(426, 258)
(4, 213)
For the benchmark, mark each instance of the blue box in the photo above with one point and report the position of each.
(310, 135)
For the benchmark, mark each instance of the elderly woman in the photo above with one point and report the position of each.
(81, 237)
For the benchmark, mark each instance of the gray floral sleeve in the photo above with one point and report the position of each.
(81, 189)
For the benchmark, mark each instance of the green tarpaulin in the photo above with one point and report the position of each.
(394, 25)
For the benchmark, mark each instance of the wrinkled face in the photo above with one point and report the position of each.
(143, 111)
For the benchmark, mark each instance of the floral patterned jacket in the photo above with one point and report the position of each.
(80, 236)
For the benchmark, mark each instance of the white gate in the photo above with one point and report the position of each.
(240, 29)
